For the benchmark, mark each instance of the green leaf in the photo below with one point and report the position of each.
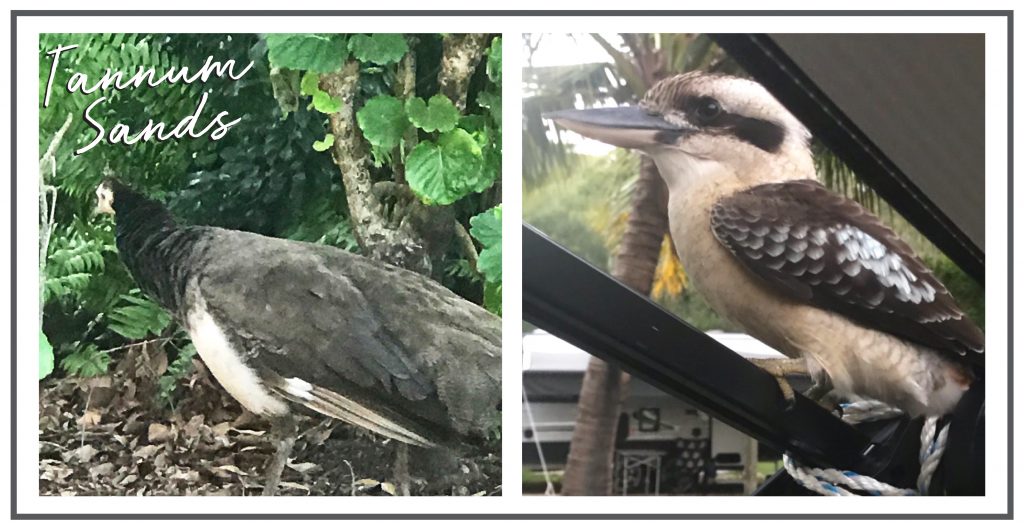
(318, 52)
(310, 83)
(494, 61)
(491, 168)
(439, 114)
(382, 120)
(138, 318)
(486, 228)
(492, 297)
(45, 356)
(491, 102)
(322, 145)
(379, 48)
(176, 371)
(323, 102)
(444, 172)
(89, 361)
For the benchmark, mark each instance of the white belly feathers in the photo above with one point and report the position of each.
(226, 365)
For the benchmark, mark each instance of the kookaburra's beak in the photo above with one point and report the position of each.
(629, 127)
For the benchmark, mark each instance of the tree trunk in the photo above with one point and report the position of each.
(591, 455)
(390, 223)
(588, 470)
(379, 237)
(462, 53)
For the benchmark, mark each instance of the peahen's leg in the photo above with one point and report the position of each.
(402, 478)
(283, 431)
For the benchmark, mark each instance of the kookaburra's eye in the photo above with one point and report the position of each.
(708, 109)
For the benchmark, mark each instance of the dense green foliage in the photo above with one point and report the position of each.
(271, 174)
(582, 205)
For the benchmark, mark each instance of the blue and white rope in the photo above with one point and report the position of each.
(932, 448)
(835, 482)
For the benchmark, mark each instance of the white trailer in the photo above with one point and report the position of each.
(663, 443)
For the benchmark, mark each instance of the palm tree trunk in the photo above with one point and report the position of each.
(591, 455)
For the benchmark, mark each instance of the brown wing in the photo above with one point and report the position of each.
(818, 246)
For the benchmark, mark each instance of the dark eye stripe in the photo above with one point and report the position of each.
(763, 134)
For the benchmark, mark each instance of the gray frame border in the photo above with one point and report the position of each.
(15, 515)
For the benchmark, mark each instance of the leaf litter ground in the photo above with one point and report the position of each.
(108, 436)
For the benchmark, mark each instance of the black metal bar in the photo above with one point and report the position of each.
(771, 66)
(584, 306)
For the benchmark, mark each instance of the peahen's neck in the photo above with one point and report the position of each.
(153, 247)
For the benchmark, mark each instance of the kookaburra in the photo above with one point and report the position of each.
(807, 271)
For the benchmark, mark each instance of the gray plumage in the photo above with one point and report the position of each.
(362, 341)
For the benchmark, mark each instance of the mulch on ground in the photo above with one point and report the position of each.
(109, 435)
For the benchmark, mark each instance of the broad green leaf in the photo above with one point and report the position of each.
(318, 52)
(382, 120)
(494, 61)
(45, 356)
(379, 48)
(323, 102)
(486, 228)
(444, 172)
(491, 168)
(310, 83)
(322, 145)
(439, 114)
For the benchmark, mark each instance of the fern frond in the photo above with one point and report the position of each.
(89, 361)
(137, 317)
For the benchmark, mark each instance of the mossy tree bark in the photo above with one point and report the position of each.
(378, 237)
(389, 222)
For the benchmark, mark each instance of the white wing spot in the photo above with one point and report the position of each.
(298, 388)
(864, 250)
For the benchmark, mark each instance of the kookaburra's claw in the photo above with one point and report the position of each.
(779, 369)
(819, 391)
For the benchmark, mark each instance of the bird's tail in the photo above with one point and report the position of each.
(337, 406)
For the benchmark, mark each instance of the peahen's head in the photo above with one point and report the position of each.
(114, 197)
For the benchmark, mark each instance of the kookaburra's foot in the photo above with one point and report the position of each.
(779, 369)
(283, 432)
(819, 391)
